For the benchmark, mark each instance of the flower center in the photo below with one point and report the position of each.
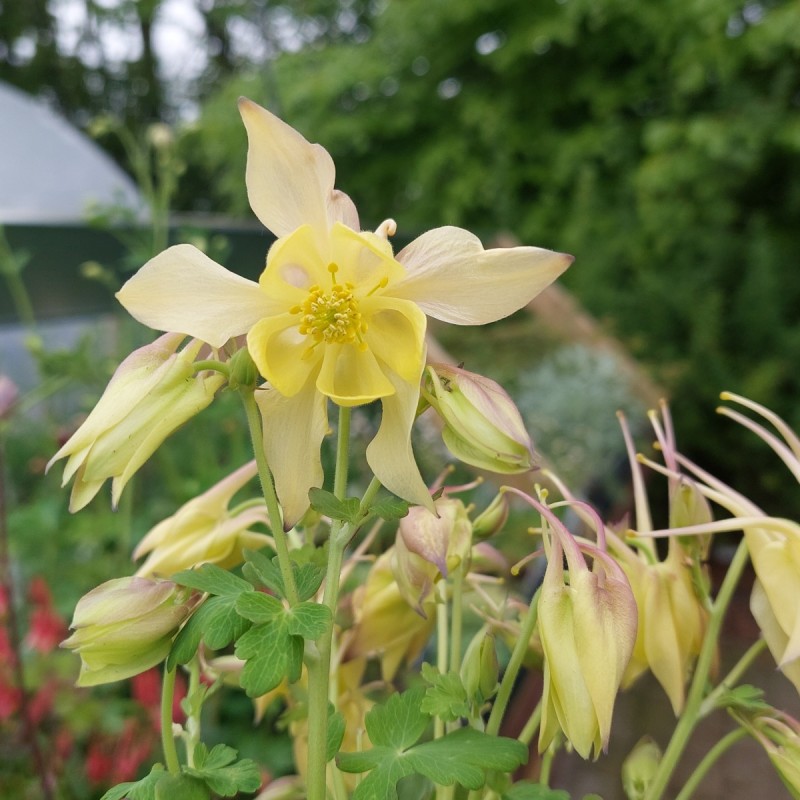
(332, 316)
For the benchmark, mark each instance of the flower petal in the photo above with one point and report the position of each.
(451, 277)
(184, 291)
(351, 376)
(389, 454)
(395, 333)
(293, 431)
(289, 180)
(282, 353)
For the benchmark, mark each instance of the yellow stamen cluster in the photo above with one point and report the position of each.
(331, 316)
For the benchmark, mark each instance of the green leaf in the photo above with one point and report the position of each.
(389, 508)
(464, 756)
(398, 722)
(308, 578)
(259, 607)
(309, 620)
(527, 790)
(745, 698)
(336, 727)
(181, 787)
(216, 622)
(347, 510)
(446, 697)
(265, 648)
(263, 570)
(210, 578)
(145, 789)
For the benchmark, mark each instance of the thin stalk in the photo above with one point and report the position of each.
(691, 712)
(442, 638)
(167, 737)
(193, 719)
(532, 725)
(701, 770)
(271, 499)
(512, 670)
(457, 623)
(547, 764)
(319, 663)
(732, 678)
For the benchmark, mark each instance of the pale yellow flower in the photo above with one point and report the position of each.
(335, 314)
(153, 392)
(126, 626)
(205, 530)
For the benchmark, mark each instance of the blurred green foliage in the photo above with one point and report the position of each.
(660, 144)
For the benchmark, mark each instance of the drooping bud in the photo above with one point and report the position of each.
(492, 519)
(243, 370)
(152, 393)
(639, 768)
(126, 626)
(482, 426)
(480, 667)
(205, 530)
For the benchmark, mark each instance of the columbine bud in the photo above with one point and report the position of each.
(779, 735)
(587, 626)
(152, 393)
(428, 546)
(126, 626)
(639, 768)
(482, 426)
(243, 370)
(492, 519)
(480, 668)
(205, 531)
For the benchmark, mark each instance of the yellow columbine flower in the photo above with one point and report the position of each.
(335, 314)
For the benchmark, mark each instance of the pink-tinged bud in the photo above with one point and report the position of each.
(482, 426)
(126, 626)
(444, 540)
(152, 393)
(205, 530)
(587, 625)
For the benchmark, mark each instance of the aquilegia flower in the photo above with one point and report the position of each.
(335, 314)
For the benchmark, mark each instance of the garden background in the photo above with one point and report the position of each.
(659, 143)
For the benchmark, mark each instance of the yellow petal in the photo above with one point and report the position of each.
(282, 353)
(451, 277)
(351, 376)
(293, 431)
(389, 454)
(363, 259)
(289, 180)
(395, 334)
(295, 263)
(184, 291)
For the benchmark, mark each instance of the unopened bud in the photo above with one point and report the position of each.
(492, 519)
(243, 370)
(482, 426)
(480, 668)
(639, 768)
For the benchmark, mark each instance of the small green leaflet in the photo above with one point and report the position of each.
(272, 654)
(446, 697)
(145, 789)
(222, 772)
(347, 510)
(463, 756)
(336, 726)
(389, 508)
(265, 571)
(216, 621)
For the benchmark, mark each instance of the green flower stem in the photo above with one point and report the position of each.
(532, 725)
(193, 719)
(732, 678)
(691, 712)
(457, 624)
(442, 638)
(167, 737)
(547, 764)
(512, 670)
(210, 363)
(271, 499)
(709, 760)
(319, 666)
